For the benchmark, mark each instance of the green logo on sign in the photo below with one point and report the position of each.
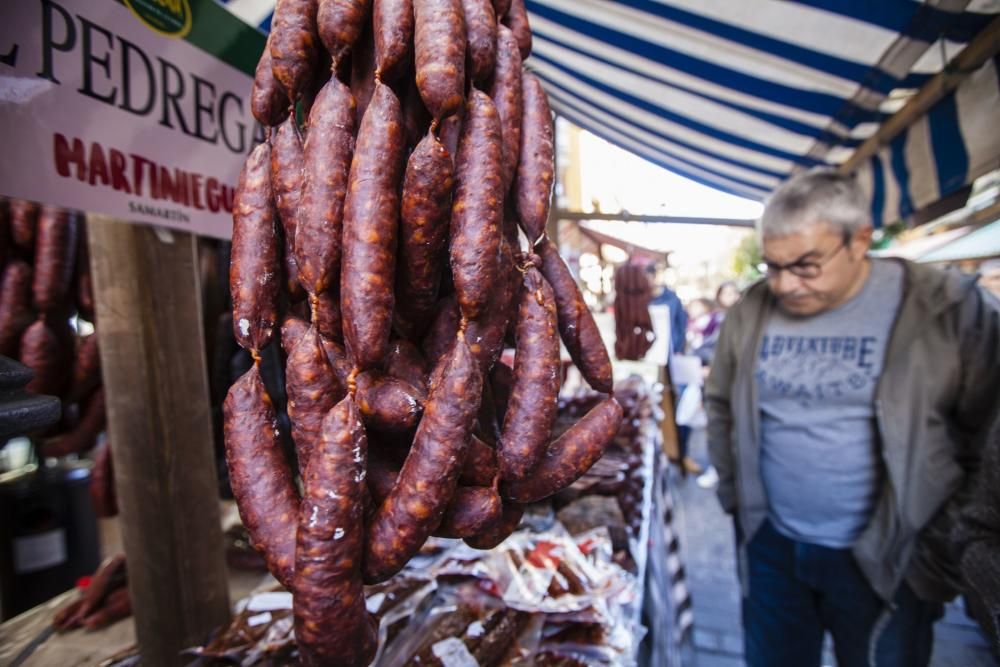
(167, 17)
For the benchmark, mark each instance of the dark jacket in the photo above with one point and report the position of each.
(939, 388)
(977, 538)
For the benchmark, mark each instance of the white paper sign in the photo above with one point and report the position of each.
(102, 112)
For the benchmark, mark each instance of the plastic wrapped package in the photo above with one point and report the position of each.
(460, 625)
(545, 598)
(261, 631)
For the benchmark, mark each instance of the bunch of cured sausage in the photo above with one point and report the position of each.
(380, 239)
(633, 326)
(45, 283)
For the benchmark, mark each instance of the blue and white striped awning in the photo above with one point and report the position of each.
(955, 142)
(740, 94)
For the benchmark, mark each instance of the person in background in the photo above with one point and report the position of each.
(849, 402)
(989, 276)
(676, 442)
(725, 297)
(699, 321)
(678, 317)
(701, 334)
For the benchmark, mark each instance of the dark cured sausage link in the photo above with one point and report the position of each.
(392, 22)
(111, 573)
(536, 167)
(472, 509)
(117, 605)
(491, 536)
(427, 481)
(294, 45)
(480, 465)
(15, 306)
(405, 362)
(268, 102)
(293, 328)
(43, 351)
(479, 468)
(287, 177)
(423, 229)
(327, 157)
(55, 257)
(381, 476)
(441, 334)
(439, 54)
(259, 474)
(506, 94)
(577, 327)
(363, 70)
(293, 288)
(477, 210)
(102, 483)
(388, 403)
(481, 39)
(339, 361)
(489, 650)
(501, 7)
(450, 131)
(371, 215)
(86, 369)
(633, 326)
(340, 23)
(254, 272)
(517, 20)
(5, 242)
(84, 435)
(327, 317)
(332, 625)
(486, 335)
(312, 390)
(23, 221)
(570, 455)
(531, 411)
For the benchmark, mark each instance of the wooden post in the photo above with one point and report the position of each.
(149, 315)
(669, 434)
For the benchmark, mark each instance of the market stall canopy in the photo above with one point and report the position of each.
(634, 250)
(982, 243)
(917, 248)
(741, 95)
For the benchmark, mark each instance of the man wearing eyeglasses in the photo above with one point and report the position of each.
(847, 405)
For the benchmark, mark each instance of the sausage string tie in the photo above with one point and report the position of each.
(352, 381)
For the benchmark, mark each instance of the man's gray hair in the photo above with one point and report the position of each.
(817, 196)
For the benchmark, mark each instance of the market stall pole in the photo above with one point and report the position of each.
(149, 307)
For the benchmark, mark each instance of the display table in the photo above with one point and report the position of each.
(567, 588)
(80, 648)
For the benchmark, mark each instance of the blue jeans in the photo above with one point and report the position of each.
(798, 591)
